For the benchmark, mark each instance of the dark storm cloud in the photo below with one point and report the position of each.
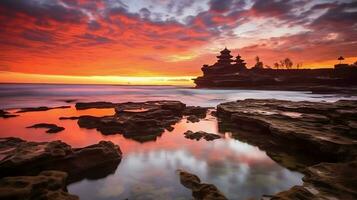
(220, 5)
(42, 10)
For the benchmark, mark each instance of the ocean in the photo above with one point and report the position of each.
(148, 169)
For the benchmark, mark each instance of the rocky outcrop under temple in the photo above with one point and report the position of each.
(316, 138)
(49, 185)
(19, 157)
(200, 191)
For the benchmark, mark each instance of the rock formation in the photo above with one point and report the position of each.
(19, 157)
(5, 114)
(200, 191)
(98, 104)
(49, 185)
(41, 108)
(317, 139)
(141, 121)
(52, 128)
(201, 134)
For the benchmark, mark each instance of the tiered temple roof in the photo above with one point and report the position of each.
(225, 65)
(225, 57)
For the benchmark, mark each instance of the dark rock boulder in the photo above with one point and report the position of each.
(49, 185)
(30, 158)
(97, 104)
(52, 128)
(200, 191)
(193, 119)
(201, 134)
(141, 121)
(41, 108)
(196, 110)
(5, 114)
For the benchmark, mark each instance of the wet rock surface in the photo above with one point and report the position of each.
(195, 113)
(201, 134)
(317, 139)
(5, 114)
(52, 128)
(200, 191)
(325, 181)
(19, 157)
(322, 128)
(41, 108)
(142, 121)
(97, 104)
(49, 185)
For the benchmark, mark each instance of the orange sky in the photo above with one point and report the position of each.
(165, 41)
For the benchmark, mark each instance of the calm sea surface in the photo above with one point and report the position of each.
(148, 170)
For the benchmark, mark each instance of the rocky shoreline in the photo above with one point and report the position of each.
(317, 139)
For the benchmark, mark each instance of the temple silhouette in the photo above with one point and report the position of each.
(233, 73)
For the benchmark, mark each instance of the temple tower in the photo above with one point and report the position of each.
(239, 62)
(225, 58)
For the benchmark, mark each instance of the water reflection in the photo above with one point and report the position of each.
(148, 170)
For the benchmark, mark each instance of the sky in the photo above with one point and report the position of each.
(166, 41)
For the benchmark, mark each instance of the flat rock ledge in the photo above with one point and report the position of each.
(5, 114)
(141, 121)
(19, 157)
(201, 134)
(51, 128)
(325, 181)
(41, 108)
(292, 133)
(200, 191)
(195, 113)
(49, 185)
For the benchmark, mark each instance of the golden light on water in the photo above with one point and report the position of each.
(13, 77)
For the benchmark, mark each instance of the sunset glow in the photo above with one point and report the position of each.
(165, 42)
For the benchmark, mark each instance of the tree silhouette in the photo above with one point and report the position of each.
(340, 59)
(288, 63)
(276, 65)
(259, 64)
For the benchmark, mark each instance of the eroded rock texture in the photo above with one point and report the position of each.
(49, 185)
(200, 191)
(325, 181)
(201, 134)
(19, 157)
(317, 139)
(139, 121)
(320, 128)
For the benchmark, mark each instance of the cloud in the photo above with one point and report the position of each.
(120, 37)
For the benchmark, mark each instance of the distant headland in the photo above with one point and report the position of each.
(233, 73)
